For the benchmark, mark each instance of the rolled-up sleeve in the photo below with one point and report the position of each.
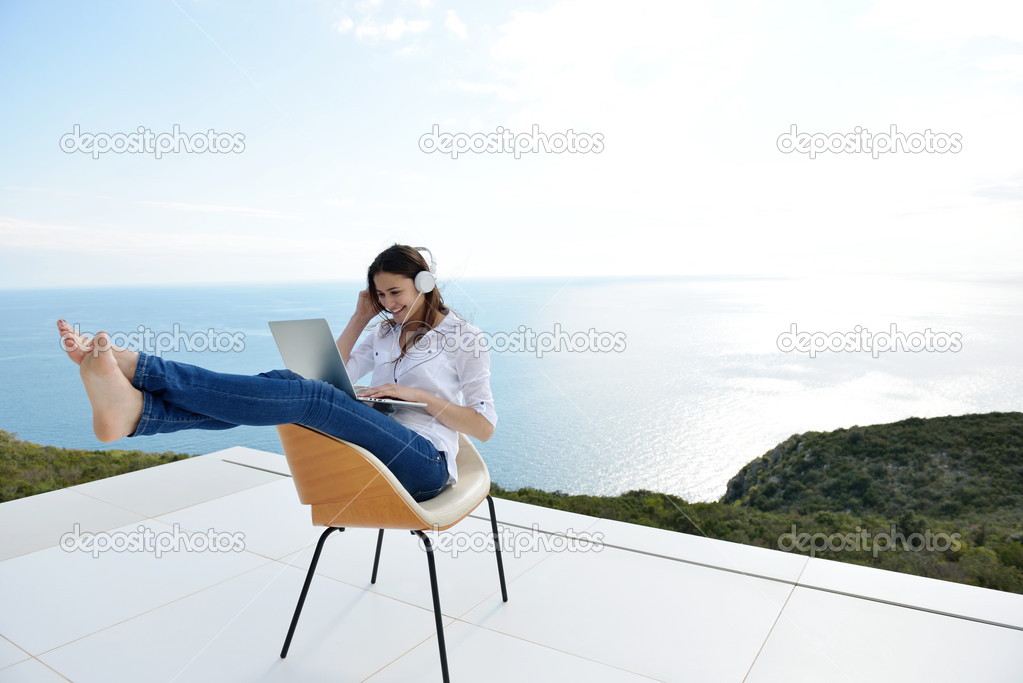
(360, 362)
(473, 367)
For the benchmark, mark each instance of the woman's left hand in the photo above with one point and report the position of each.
(397, 391)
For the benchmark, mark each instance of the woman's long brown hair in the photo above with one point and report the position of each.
(401, 259)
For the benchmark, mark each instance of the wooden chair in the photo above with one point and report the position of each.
(347, 486)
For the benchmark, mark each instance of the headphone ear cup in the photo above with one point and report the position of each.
(425, 282)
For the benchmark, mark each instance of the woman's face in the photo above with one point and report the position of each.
(397, 294)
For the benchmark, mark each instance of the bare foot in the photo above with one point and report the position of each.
(116, 404)
(78, 346)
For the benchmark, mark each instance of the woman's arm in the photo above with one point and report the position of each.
(460, 418)
(356, 325)
(451, 415)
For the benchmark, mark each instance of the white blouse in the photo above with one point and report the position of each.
(449, 361)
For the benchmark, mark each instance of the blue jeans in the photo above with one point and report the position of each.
(178, 396)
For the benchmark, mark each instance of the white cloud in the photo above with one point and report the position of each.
(1009, 63)
(370, 29)
(413, 50)
(368, 26)
(456, 25)
(586, 59)
(505, 92)
(218, 208)
(939, 20)
(345, 203)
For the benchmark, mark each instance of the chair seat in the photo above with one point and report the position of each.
(347, 486)
(459, 499)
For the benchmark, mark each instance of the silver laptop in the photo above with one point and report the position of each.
(308, 349)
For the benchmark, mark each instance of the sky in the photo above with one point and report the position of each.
(321, 109)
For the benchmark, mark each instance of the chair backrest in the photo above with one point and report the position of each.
(347, 486)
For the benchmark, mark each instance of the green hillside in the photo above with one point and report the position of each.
(28, 468)
(945, 467)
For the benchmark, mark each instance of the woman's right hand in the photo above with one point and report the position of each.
(364, 309)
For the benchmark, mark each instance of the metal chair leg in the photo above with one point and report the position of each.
(436, 605)
(305, 587)
(497, 546)
(376, 560)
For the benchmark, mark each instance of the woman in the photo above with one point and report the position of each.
(423, 352)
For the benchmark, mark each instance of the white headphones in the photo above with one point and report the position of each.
(426, 280)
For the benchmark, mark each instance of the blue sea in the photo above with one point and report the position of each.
(664, 384)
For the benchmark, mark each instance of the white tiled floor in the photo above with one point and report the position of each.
(11, 653)
(940, 596)
(745, 559)
(38, 522)
(589, 599)
(52, 597)
(234, 631)
(159, 490)
(287, 530)
(479, 654)
(823, 636)
(240, 455)
(670, 619)
(29, 671)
